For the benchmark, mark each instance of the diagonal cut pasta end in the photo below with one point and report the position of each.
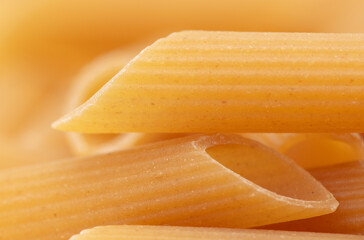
(201, 81)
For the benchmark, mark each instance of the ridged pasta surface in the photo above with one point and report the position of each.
(189, 233)
(199, 81)
(217, 180)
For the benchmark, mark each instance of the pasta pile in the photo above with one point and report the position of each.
(250, 133)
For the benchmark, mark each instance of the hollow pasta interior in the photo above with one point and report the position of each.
(346, 182)
(277, 176)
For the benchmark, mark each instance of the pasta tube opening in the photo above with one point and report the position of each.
(176, 182)
(268, 171)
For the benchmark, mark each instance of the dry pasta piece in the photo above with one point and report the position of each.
(200, 81)
(204, 180)
(135, 232)
(86, 84)
(346, 182)
(314, 150)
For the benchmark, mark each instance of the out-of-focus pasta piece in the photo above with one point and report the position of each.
(12, 154)
(216, 180)
(135, 232)
(36, 141)
(348, 19)
(25, 86)
(86, 84)
(346, 182)
(38, 136)
(18, 97)
(314, 150)
(107, 143)
(200, 81)
(35, 28)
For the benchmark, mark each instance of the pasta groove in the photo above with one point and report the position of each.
(191, 181)
(197, 81)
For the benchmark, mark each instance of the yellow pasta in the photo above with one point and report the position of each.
(314, 150)
(64, 45)
(93, 77)
(136, 232)
(346, 182)
(213, 180)
(199, 81)
(90, 79)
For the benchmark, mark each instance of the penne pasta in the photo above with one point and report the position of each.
(346, 182)
(93, 77)
(314, 150)
(199, 81)
(213, 180)
(134, 232)
(86, 83)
